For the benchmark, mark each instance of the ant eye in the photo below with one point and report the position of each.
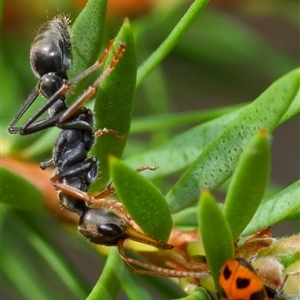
(110, 230)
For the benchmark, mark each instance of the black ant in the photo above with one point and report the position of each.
(103, 221)
(50, 59)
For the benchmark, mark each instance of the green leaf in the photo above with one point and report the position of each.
(248, 183)
(172, 120)
(88, 36)
(199, 294)
(293, 109)
(87, 40)
(114, 102)
(186, 217)
(19, 193)
(238, 46)
(294, 216)
(216, 234)
(182, 149)
(39, 255)
(164, 49)
(275, 209)
(109, 283)
(133, 287)
(143, 201)
(51, 255)
(20, 274)
(217, 162)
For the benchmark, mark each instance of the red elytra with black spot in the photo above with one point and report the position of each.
(239, 281)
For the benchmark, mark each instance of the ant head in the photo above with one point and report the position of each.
(102, 226)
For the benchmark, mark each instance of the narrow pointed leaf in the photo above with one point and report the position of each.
(109, 283)
(164, 49)
(18, 192)
(25, 281)
(23, 268)
(182, 149)
(88, 36)
(54, 259)
(143, 201)
(276, 209)
(133, 287)
(248, 183)
(172, 120)
(216, 234)
(114, 102)
(217, 162)
(87, 43)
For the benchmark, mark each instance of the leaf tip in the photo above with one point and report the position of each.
(204, 190)
(111, 158)
(126, 21)
(262, 133)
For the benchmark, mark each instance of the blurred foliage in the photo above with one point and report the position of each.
(188, 113)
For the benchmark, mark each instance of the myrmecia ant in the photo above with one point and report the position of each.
(102, 221)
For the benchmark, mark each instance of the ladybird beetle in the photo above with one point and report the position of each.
(239, 281)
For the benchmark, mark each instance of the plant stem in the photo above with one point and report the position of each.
(163, 50)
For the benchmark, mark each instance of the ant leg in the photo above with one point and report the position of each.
(91, 90)
(77, 169)
(46, 163)
(95, 66)
(146, 167)
(59, 94)
(82, 122)
(103, 131)
(152, 270)
(76, 124)
(109, 190)
(69, 190)
(111, 205)
(31, 98)
(35, 127)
